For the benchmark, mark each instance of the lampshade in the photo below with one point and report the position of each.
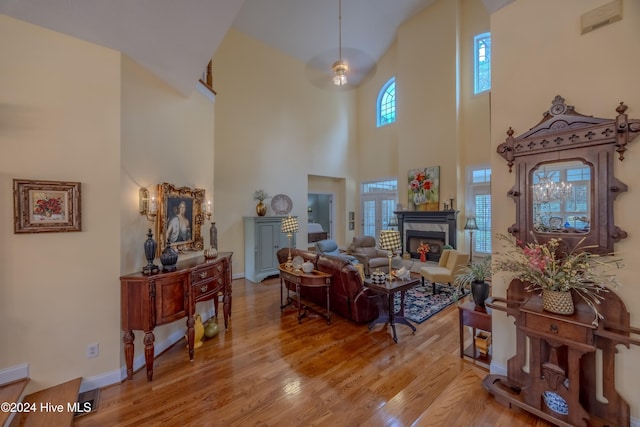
(471, 224)
(389, 240)
(289, 225)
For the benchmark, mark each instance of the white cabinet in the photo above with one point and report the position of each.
(262, 239)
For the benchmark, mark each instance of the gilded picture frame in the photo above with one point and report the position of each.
(46, 206)
(180, 218)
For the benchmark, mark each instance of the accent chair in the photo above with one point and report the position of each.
(450, 264)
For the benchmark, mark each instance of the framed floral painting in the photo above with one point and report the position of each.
(424, 189)
(180, 218)
(45, 206)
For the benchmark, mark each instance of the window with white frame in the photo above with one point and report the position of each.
(482, 62)
(386, 104)
(379, 199)
(479, 204)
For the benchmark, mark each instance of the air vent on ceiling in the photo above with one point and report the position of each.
(601, 16)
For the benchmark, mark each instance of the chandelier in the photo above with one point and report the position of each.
(340, 68)
(548, 191)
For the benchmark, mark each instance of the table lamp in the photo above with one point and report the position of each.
(389, 240)
(289, 226)
(471, 225)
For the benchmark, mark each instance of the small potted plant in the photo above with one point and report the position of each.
(474, 277)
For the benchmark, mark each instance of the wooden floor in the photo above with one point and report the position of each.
(268, 370)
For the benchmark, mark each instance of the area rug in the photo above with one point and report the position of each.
(420, 303)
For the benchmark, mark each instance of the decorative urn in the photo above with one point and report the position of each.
(307, 266)
(169, 258)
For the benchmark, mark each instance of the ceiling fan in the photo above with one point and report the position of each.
(344, 69)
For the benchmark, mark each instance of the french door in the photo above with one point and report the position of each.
(379, 200)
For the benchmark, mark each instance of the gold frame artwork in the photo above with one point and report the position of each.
(45, 206)
(172, 199)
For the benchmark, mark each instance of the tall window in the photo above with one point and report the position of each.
(379, 199)
(386, 110)
(479, 204)
(482, 62)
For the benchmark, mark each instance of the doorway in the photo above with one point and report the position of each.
(320, 211)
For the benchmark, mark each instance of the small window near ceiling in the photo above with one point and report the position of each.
(387, 103)
(482, 62)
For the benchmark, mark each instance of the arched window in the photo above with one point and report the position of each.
(386, 106)
(482, 62)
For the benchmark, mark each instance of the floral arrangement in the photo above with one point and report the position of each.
(422, 187)
(423, 248)
(260, 195)
(546, 266)
(48, 206)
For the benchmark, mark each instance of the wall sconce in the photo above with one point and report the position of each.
(206, 209)
(148, 206)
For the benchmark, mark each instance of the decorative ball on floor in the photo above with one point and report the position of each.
(210, 328)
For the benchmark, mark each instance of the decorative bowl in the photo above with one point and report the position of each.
(555, 402)
(297, 262)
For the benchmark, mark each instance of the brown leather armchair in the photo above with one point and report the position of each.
(365, 250)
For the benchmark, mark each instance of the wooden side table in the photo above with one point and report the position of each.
(477, 318)
(386, 308)
(299, 278)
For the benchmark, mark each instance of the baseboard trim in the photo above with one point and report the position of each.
(14, 373)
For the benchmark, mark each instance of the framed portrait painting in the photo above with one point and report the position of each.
(45, 206)
(180, 218)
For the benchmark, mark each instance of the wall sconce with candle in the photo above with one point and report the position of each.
(148, 205)
(206, 208)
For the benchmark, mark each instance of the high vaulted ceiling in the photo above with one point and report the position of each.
(176, 39)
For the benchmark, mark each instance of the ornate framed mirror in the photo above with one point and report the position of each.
(565, 185)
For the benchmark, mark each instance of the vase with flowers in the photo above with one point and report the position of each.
(48, 206)
(260, 196)
(557, 272)
(423, 249)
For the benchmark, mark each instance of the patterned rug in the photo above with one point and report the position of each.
(420, 304)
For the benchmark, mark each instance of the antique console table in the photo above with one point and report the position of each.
(148, 301)
(297, 278)
(562, 359)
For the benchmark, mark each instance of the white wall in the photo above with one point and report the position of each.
(60, 120)
(74, 111)
(538, 53)
(166, 137)
(273, 129)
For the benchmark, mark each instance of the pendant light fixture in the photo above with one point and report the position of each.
(340, 68)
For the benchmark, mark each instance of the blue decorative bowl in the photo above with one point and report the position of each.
(555, 402)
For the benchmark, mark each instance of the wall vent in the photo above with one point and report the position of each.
(601, 16)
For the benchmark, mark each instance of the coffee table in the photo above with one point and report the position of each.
(387, 291)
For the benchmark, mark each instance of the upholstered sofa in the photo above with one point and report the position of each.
(349, 297)
(365, 250)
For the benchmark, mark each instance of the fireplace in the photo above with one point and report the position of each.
(435, 240)
(436, 228)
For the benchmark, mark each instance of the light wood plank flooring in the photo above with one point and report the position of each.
(268, 370)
